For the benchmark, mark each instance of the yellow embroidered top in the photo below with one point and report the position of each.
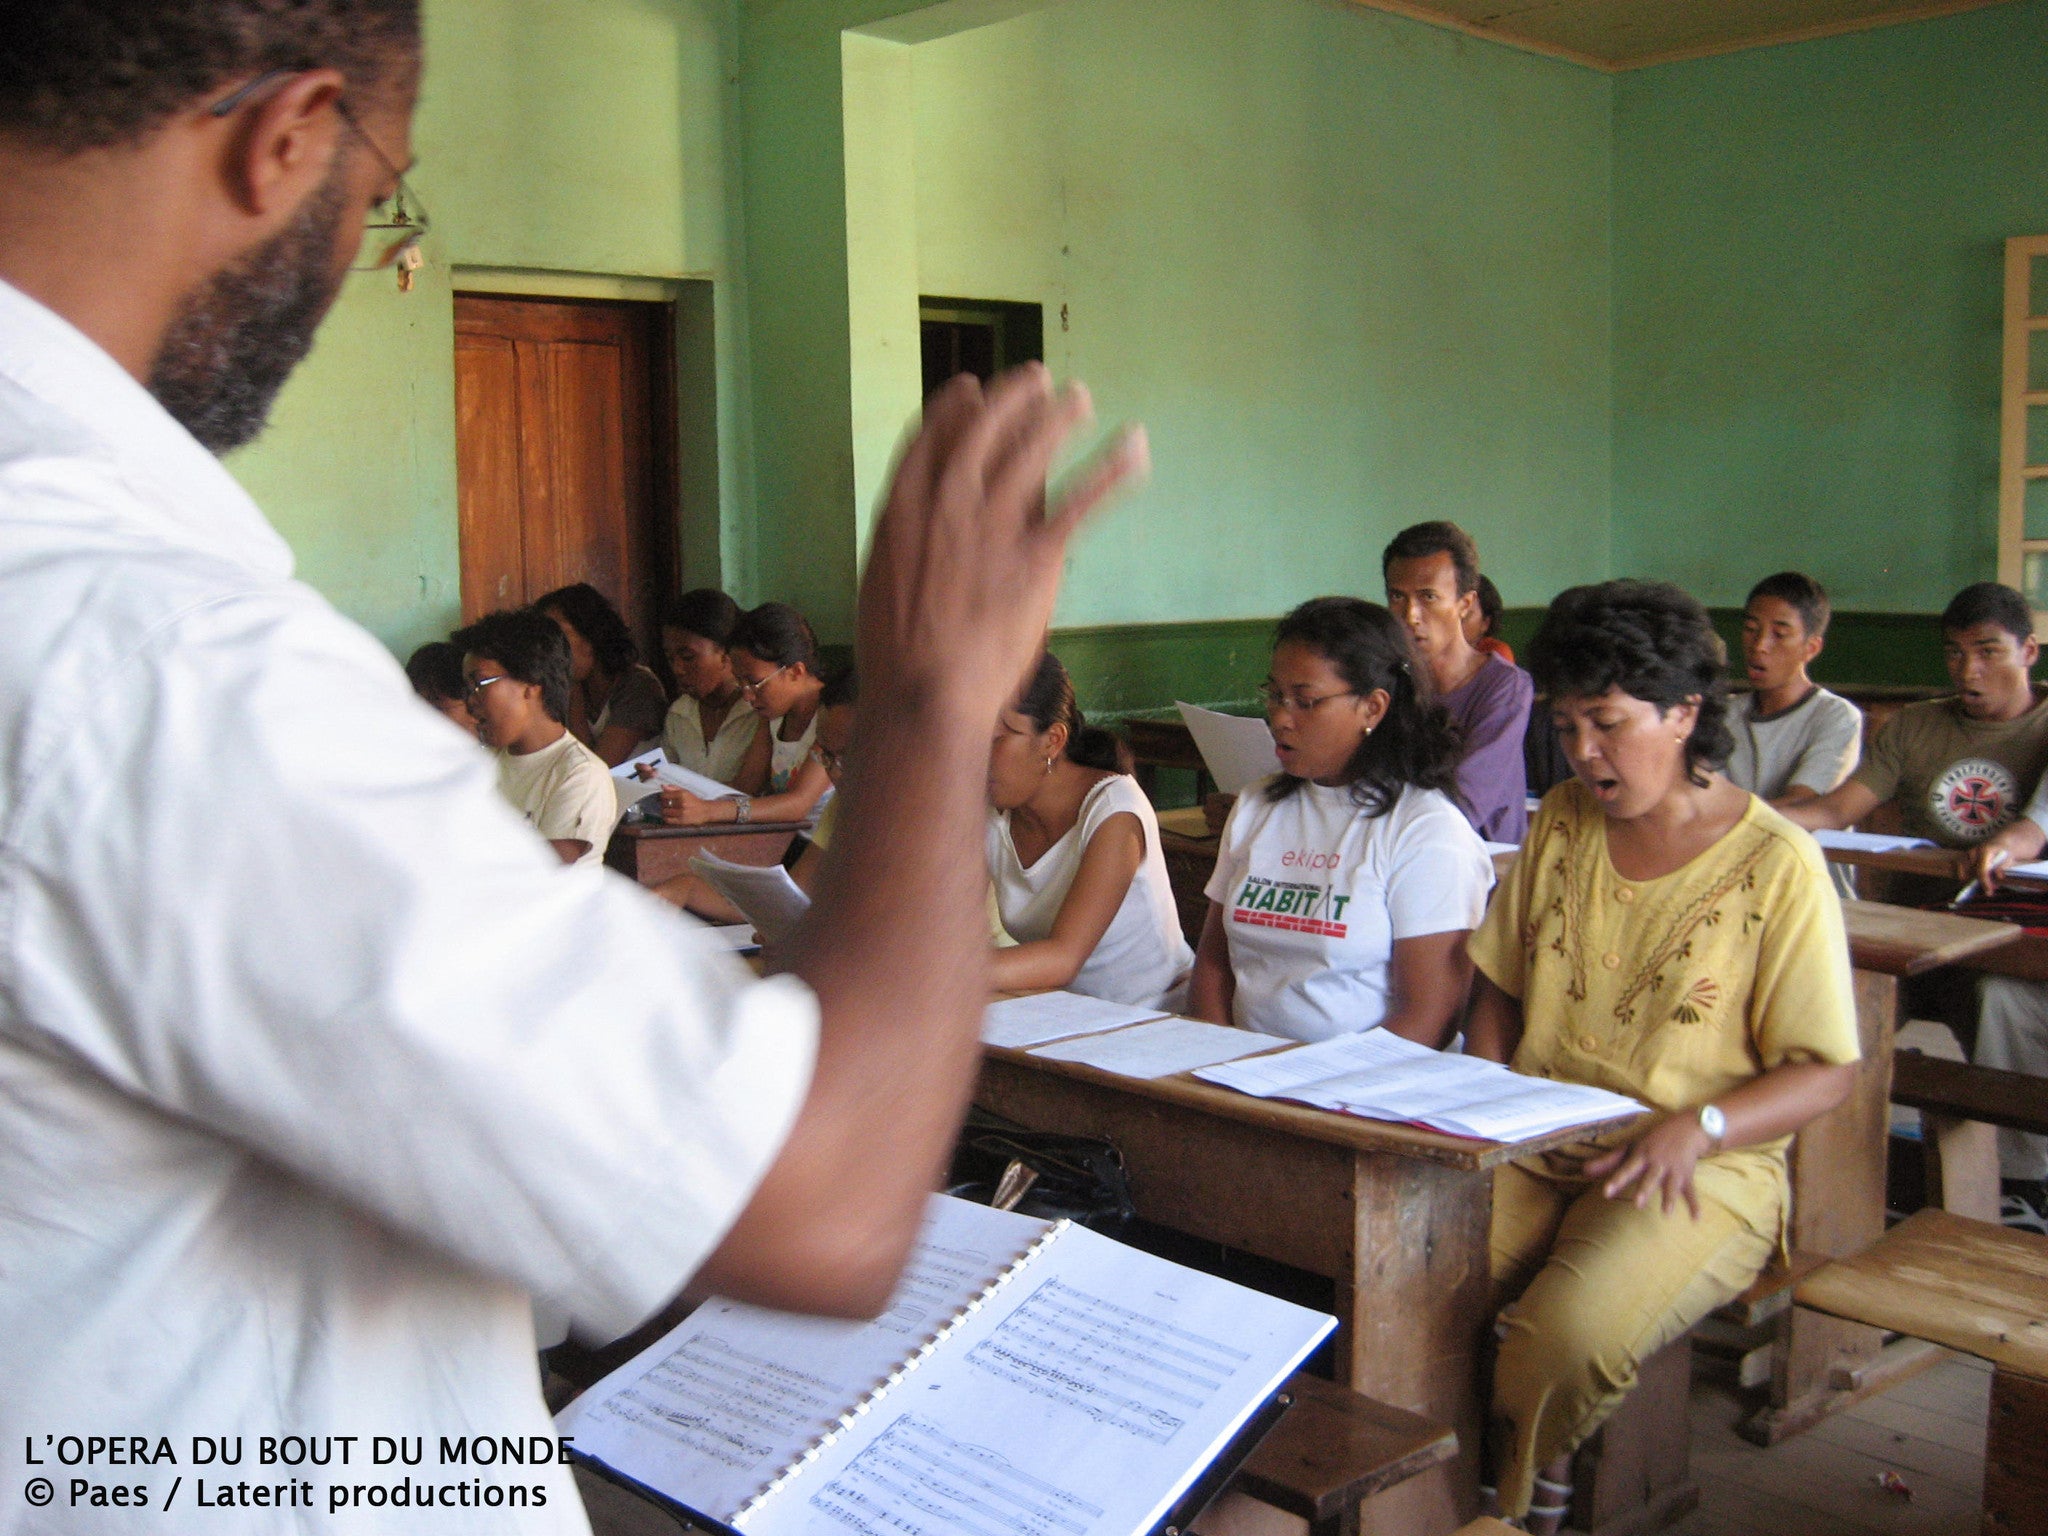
(1674, 990)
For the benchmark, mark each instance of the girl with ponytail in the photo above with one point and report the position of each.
(1346, 883)
(1074, 857)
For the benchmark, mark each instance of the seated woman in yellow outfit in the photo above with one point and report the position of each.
(1668, 936)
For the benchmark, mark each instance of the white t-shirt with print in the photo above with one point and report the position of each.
(1142, 957)
(566, 792)
(1314, 893)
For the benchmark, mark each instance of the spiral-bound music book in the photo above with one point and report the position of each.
(1028, 1377)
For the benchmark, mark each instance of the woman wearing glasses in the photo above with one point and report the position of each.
(775, 662)
(1346, 883)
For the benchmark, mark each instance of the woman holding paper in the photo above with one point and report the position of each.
(1074, 856)
(1666, 936)
(775, 660)
(710, 726)
(1346, 883)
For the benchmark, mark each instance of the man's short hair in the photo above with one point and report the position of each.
(1989, 602)
(530, 647)
(86, 74)
(1426, 539)
(1799, 592)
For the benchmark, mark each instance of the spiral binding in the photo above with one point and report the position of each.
(911, 1362)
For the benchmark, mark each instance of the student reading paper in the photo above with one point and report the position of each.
(1346, 883)
(518, 670)
(616, 704)
(1666, 936)
(775, 659)
(711, 725)
(318, 1068)
(1073, 851)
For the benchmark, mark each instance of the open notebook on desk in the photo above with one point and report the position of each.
(633, 789)
(1381, 1076)
(1027, 1377)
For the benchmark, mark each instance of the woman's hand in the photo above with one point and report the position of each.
(680, 808)
(1659, 1164)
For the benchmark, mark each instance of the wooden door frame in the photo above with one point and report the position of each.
(665, 430)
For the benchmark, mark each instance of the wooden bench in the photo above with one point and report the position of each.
(1962, 1108)
(1335, 1448)
(1982, 1289)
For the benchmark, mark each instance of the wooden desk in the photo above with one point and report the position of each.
(1165, 743)
(1398, 1217)
(651, 853)
(2025, 957)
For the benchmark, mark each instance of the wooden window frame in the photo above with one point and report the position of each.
(2014, 472)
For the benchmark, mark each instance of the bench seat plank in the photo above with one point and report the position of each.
(1969, 1285)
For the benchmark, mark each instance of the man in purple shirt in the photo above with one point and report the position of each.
(1432, 577)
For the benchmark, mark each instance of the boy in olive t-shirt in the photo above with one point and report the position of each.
(1961, 767)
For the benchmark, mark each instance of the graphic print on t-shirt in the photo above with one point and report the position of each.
(1265, 903)
(1973, 798)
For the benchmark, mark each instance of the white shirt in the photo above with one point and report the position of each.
(302, 1099)
(563, 791)
(785, 757)
(1315, 892)
(1813, 745)
(682, 737)
(1142, 957)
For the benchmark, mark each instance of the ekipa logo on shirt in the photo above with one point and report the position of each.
(1313, 909)
(1973, 799)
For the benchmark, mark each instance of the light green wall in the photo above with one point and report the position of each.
(554, 136)
(1351, 271)
(1807, 305)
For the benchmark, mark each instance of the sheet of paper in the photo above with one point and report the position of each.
(712, 1412)
(771, 900)
(1534, 1110)
(1284, 1071)
(1159, 1049)
(1495, 850)
(1869, 842)
(1020, 1022)
(1081, 1400)
(1237, 748)
(733, 935)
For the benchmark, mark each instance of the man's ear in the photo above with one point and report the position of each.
(286, 144)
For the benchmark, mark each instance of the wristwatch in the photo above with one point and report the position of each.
(742, 807)
(1714, 1123)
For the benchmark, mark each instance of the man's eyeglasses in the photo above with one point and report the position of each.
(1276, 700)
(750, 689)
(476, 689)
(396, 225)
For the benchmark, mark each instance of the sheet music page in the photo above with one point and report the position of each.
(771, 900)
(1019, 1022)
(1536, 1108)
(1081, 1401)
(1281, 1073)
(1869, 842)
(1237, 748)
(1159, 1049)
(722, 1403)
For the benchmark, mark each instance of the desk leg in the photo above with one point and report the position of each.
(1416, 1315)
(1838, 1184)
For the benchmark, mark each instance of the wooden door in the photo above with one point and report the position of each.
(565, 452)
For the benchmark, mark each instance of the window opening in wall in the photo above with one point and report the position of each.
(977, 336)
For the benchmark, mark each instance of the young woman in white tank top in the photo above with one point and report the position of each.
(1073, 852)
(775, 659)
